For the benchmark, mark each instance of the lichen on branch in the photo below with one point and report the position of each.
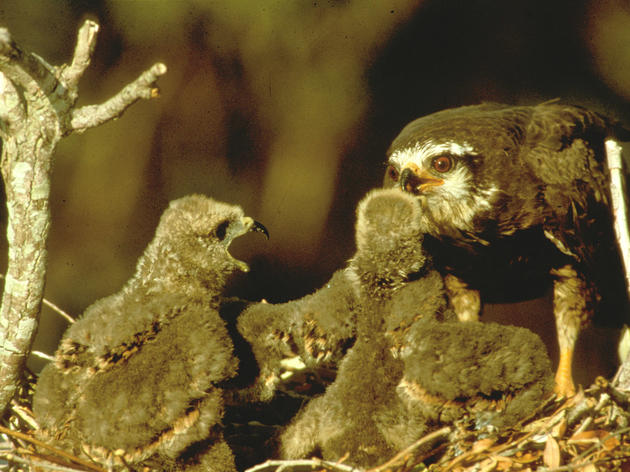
(37, 108)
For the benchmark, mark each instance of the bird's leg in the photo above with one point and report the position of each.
(571, 311)
(465, 301)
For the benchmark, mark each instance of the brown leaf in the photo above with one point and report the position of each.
(504, 463)
(559, 429)
(551, 456)
(482, 445)
(585, 435)
(611, 443)
(587, 468)
(527, 457)
(488, 465)
(588, 438)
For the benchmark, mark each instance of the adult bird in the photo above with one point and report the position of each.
(515, 196)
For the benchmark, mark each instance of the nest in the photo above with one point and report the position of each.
(588, 432)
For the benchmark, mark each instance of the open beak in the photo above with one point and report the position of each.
(248, 224)
(417, 181)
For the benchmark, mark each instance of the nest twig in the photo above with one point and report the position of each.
(589, 432)
(21, 448)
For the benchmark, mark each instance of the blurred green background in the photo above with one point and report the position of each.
(287, 107)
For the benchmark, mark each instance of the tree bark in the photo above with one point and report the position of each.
(37, 108)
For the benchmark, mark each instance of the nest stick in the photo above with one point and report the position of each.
(620, 211)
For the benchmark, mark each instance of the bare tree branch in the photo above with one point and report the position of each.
(64, 314)
(28, 70)
(57, 309)
(59, 452)
(620, 211)
(86, 41)
(405, 454)
(12, 111)
(618, 196)
(95, 115)
(37, 108)
(301, 465)
(30, 131)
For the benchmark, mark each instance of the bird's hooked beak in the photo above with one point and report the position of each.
(258, 227)
(247, 224)
(417, 181)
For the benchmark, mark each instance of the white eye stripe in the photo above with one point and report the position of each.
(458, 183)
(421, 151)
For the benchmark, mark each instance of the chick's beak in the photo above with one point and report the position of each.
(260, 228)
(248, 224)
(417, 181)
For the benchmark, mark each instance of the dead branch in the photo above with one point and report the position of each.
(57, 309)
(618, 195)
(620, 211)
(56, 451)
(405, 454)
(301, 465)
(95, 115)
(37, 108)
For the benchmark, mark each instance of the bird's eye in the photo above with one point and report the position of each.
(392, 173)
(221, 230)
(442, 163)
